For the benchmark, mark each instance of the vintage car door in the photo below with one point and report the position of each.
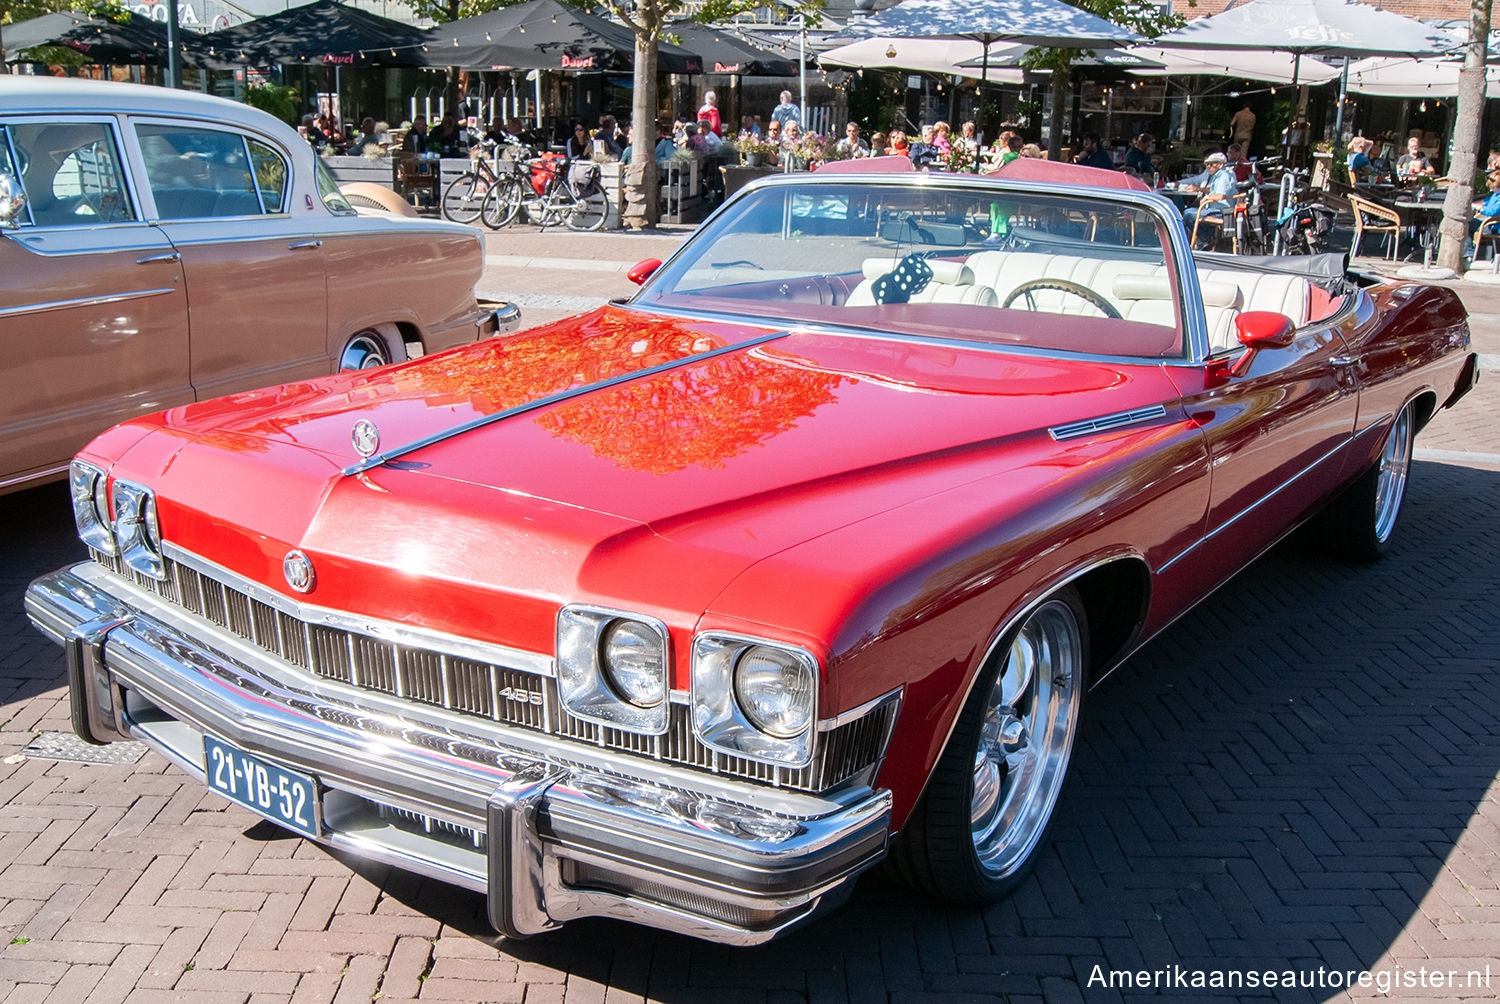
(93, 317)
(257, 288)
(1275, 434)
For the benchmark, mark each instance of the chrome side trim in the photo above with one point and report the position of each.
(400, 634)
(1107, 423)
(46, 472)
(83, 301)
(551, 399)
(1251, 507)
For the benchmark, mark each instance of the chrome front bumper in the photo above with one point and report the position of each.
(549, 834)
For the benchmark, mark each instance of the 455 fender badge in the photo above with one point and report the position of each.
(298, 569)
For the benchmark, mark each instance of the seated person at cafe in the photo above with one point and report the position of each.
(368, 144)
(852, 145)
(1138, 157)
(1093, 153)
(1217, 185)
(1361, 168)
(448, 139)
(1243, 169)
(1413, 163)
(1488, 208)
(415, 140)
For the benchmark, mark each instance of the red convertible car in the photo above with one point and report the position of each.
(688, 610)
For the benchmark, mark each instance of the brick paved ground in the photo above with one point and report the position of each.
(1301, 773)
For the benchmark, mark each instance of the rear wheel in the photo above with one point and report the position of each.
(1359, 524)
(464, 197)
(365, 351)
(981, 822)
(588, 213)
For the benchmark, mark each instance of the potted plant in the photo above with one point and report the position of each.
(753, 149)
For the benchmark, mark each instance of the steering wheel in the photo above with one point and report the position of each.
(1062, 286)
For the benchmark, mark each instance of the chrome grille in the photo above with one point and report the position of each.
(503, 694)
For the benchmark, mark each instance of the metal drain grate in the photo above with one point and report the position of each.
(66, 746)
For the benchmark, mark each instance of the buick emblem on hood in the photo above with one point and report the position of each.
(366, 438)
(298, 569)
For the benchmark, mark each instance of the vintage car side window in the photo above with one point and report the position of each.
(270, 176)
(328, 191)
(11, 172)
(70, 172)
(200, 173)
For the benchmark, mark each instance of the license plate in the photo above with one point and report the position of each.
(283, 796)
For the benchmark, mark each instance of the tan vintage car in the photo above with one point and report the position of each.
(159, 247)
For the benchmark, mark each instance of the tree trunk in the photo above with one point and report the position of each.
(642, 206)
(1470, 114)
(1060, 81)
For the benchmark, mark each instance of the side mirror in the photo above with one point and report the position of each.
(12, 200)
(1261, 329)
(643, 271)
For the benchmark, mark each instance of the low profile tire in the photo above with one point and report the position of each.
(365, 351)
(985, 814)
(1359, 524)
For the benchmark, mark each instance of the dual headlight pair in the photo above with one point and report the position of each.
(750, 697)
(120, 522)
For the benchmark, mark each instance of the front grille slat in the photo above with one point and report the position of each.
(502, 694)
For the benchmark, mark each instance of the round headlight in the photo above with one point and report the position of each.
(775, 691)
(634, 662)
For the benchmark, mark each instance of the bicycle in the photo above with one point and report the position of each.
(558, 192)
(502, 204)
(463, 198)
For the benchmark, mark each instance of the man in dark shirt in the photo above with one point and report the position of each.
(1093, 153)
(415, 140)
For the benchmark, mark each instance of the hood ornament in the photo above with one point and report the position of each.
(366, 438)
(298, 569)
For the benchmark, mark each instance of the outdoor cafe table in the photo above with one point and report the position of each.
(1424, 217)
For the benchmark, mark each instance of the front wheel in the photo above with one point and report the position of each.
(981, 822)
(464, 197)
(501, 204)
(588, 213)
(1359, 524)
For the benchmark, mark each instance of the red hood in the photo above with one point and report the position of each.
(692, 472)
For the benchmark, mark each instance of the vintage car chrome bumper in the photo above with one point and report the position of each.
(549, 838)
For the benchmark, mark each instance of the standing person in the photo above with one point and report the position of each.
(415, 140)
(1242, 127)
(787, 111)
(709, 112)
(1138, 157)
(852, 145)
(1093, 153)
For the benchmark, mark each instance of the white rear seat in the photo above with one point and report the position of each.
(952, 282)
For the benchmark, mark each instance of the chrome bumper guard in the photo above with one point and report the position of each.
(502, 318)
(549, 839)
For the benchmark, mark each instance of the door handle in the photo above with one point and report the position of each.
(300, 245)
(164, 256)
(1343, 361)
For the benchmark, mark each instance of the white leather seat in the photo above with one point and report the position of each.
(951, 282)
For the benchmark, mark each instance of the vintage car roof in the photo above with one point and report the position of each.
(20, 94)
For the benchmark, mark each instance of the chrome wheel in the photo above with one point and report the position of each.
(1390, 479)
(365, 351)
(1026, 739)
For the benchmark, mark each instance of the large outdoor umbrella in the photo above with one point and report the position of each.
(942, 56)
(324, 33)
(136, 40)
(724, 52)
(1384, 76)
(1034, 22)
(545, 35)
(1007, 54)
(1248, 64)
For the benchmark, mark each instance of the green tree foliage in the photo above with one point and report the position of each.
(283, 102)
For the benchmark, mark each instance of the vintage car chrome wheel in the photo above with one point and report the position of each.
(991, 798)
(365, 351)
(1360, 523)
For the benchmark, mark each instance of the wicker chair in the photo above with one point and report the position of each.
(1377, 219)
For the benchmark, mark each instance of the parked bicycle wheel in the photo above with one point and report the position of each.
(502, 203)
(587, 213)
(464, 198)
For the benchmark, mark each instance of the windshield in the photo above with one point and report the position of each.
(960, 261)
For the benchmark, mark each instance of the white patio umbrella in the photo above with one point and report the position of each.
(1034, 22)
(1008, 54)
(1386, 77)
(1249, 64)
(922, 55)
